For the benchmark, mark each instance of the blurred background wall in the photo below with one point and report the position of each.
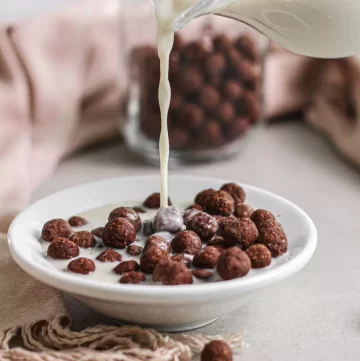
(16, 9)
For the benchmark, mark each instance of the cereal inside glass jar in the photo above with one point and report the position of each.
(215, 72)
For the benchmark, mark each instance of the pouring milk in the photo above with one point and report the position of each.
(318, 28)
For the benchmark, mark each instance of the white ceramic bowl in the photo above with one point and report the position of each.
(167, 308)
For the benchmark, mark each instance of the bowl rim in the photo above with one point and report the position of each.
(158, 293)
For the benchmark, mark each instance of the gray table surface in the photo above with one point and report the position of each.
(315, 315)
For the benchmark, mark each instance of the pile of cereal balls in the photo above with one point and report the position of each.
(219, 235)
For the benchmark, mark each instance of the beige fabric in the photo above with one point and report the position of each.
(58, 92)
(334, 108)
(38, 314)
(22, 296)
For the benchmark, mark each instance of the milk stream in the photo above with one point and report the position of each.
(165, 14)
(166, 41)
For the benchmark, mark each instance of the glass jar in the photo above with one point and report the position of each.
(216, 72)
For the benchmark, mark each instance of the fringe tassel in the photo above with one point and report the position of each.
(44, 340)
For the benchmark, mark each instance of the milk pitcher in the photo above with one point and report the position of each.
(317, 28)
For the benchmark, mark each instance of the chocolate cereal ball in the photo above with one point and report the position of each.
(217, 351)
(207, 257)
(260, 256)
(186, 242)
(98, 232)
(56, 228)
(188, 214)
(232, 90)
(208, 97)
(215, 64)
(119, 233)
(204, 225)
(201, 197)
(159, 242)
(272, 235)
(62, 248)
(168, 219)
(83, 239)
(194, 52)
(260, 216)
(243, 211)
(126, 266)
(191, 79)
(134, 250)
(182, 258)
(77, 221)
(233, 263)
(132, 278)
(172, 273)
(202, 274)
(109, 255)
(127, 213)
(212, 134)
(153, 201)
(191, 117)
(235, 191)
(242, 232)
(151, 258)
(230, 230)
(249, 233)
(83, 266)
(220, 203)
(225, 112)
(222, 43)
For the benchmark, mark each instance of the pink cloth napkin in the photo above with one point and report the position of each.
(59, 91)
(334, 107)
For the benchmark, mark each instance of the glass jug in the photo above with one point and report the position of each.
(216, 72)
